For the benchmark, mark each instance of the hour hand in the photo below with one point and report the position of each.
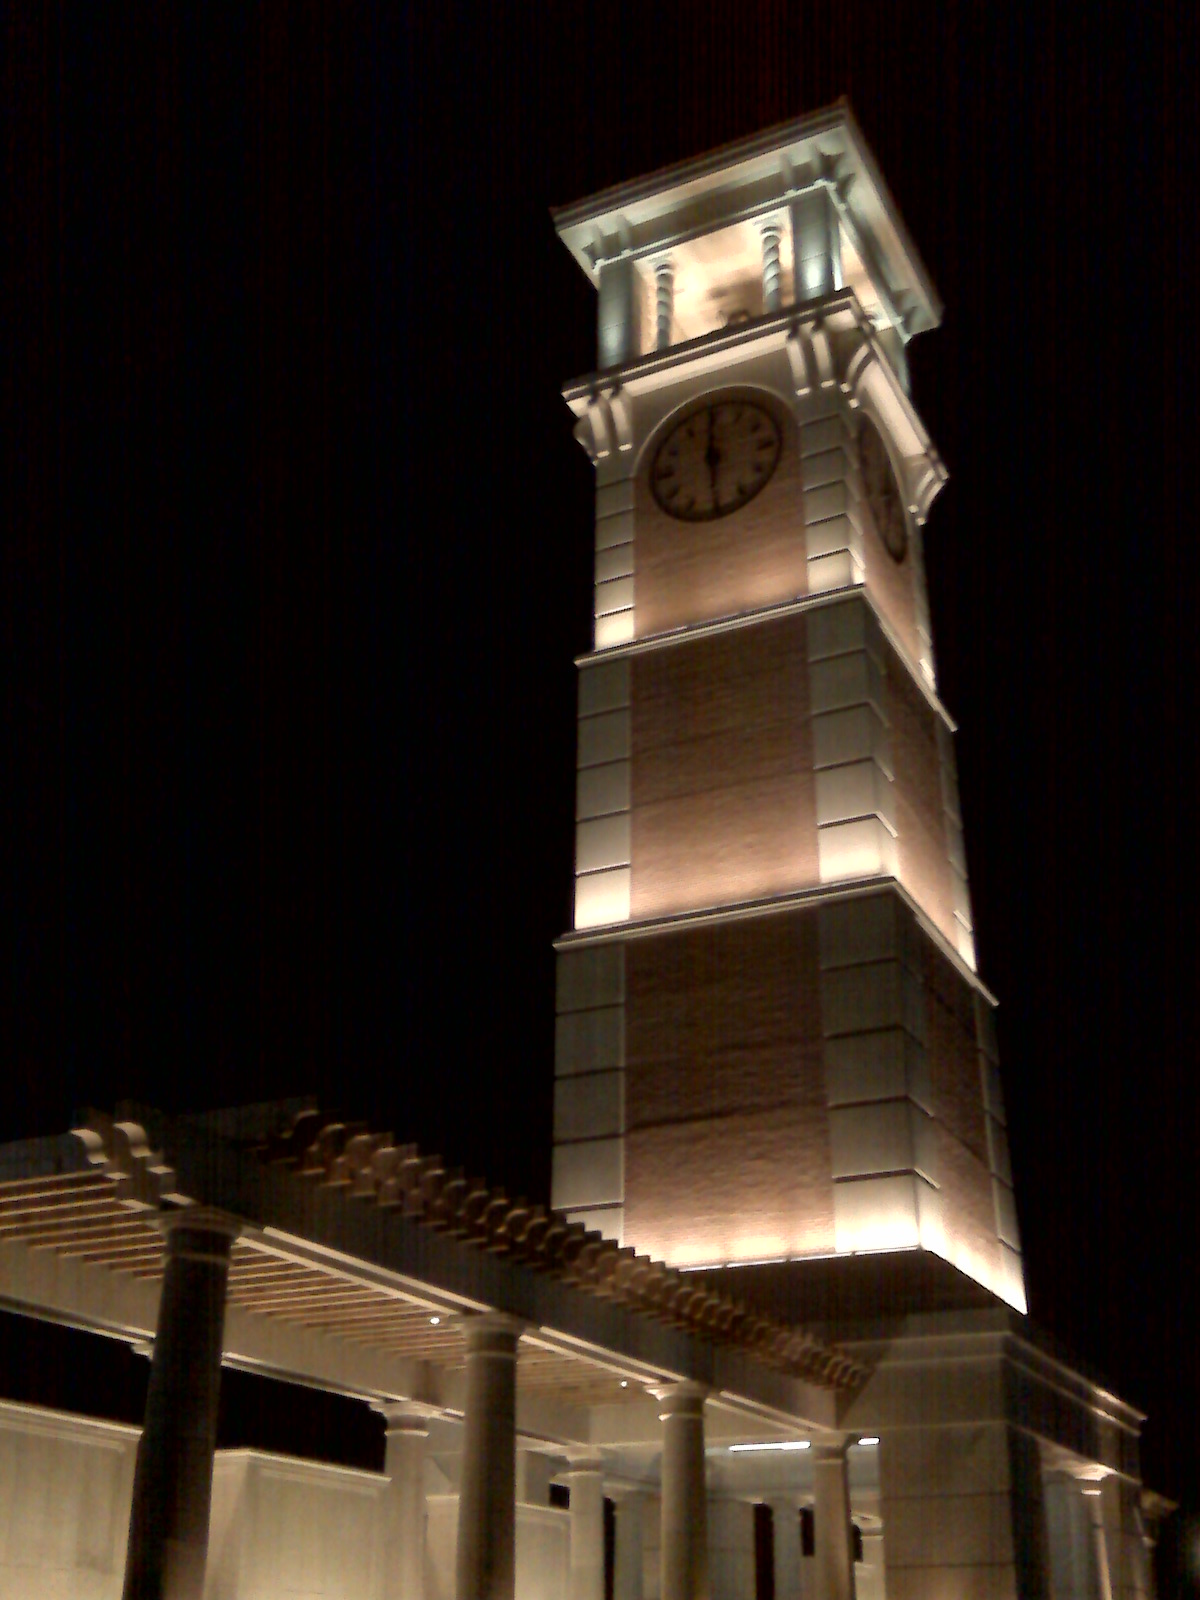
(712, 457)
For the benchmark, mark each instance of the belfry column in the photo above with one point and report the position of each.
(834, 1542)
(772, 234)
(664, 303)
(684, 1494)
(585, 1575)
(404, 1537)
(172, 1486)
(487, 1519)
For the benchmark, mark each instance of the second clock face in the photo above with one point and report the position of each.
(882, 491)
(715, 460)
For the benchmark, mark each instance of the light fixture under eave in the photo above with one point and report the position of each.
(433, 1321)
(869, 1438)
(772, 1444)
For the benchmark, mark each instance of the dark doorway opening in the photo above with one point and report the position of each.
(764, 1553)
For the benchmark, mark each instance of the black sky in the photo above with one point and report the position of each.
(298, 557)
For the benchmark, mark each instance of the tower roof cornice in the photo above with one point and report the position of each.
(750, 177)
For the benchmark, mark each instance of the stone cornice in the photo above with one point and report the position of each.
(751, 177)
(830, 345)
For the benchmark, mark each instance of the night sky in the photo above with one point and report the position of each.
(299, 556)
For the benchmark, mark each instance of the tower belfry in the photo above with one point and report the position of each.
(771, 1039)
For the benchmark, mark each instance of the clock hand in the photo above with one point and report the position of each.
(712, 457)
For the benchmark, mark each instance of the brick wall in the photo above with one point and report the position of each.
(723, 793)
(727, 1145)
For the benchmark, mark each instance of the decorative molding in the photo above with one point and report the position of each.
(829, 344)
(143, 1180)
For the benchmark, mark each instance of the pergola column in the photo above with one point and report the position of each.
(627, 1565)
(487, 1522)
(172, 1485)
(834, 1550)
(684, 1494)
(404, 1535)
(585, 1570)
(785, 1540)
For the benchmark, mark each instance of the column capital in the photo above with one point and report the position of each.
(681, 1399)
(218, 1228)
(624, 1493)
(404, 1416)
(581, 1461)
(832, 1449)
(492, 1333)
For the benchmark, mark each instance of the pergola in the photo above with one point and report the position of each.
(284, 1241)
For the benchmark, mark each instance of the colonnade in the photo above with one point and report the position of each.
(169, 1519)
(809, 220)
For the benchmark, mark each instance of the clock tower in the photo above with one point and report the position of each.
(771, 1043)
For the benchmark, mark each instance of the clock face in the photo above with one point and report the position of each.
(715, 460)
(882, 491)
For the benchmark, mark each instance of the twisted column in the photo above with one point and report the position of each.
(664, 303)
(772, 233)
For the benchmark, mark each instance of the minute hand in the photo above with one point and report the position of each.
(713, 457)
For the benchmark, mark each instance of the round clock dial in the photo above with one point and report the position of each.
(882, 491)
(715, 460)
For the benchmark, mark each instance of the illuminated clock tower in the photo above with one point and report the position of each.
(771, 1041)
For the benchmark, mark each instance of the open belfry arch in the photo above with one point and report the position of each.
(771, 1340)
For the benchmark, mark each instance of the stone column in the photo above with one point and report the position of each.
(585, 1568)
(684, 1494)
(785, 1538)
(404, 1513)
(617, 308)
(1069, 1539)
(664, 303)
(487, 1522)
(1099, 1511)
(172, 1486)
(816, 246)
(627, 1568)
(772, 233)
(834, 1553)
